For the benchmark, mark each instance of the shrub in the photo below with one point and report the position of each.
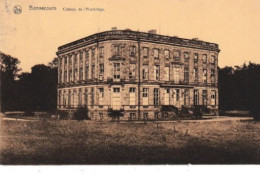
(197, 111)
(255, 112)
(62, 114)
(28, 112)
(81, 114)
(115, 114)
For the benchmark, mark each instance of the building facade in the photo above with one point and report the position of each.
(138, 72)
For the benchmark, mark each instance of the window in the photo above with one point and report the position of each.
(116, 50)
(132, 96)
(145, 96)
(186, 74)
(69, 98)
(132, 71)
(61, 63)
(87, 54)
(196, 57)
(101, 116)
(156, 53)
(212, 59)
(65, 76)
(116, 71)
(186, 97)
(212, 76)
(213, 97)
(81, 73)
(92, 97)
(93, 52)
(176, 74)
(101, 51)
(101, 92)
(186, 57)
(79, 98)
(86, 97)
(81, 57)
(70, 76)
(76, 74)
(156, 72)
(65, 60)
(132, 50)
(196, 75)
(204, 97)
(196, 97)
(101, 68)
(75, 61)
(204, 76)
(167, 96)
(70, 60)
(145, 92)
(177, 94)
(87, 72)
(176, 55)
(60, 76)
(145, 115)
(132, 90)
(101, 71)
(145, 72)
(132, 116)
(167, 72)
(204, 58)
(93, 71)
(156, 115)
(145, 51)
(166, 54)
(156, 97)
(116, 90)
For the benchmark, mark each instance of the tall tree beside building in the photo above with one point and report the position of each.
(9, 72)
(239, 88)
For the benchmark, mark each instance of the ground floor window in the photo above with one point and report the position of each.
(69, 98)
(196, 97)
(92, 97)
(132, 116)
(156, 97)
(145, 115)
(156, 115)
(204, 97)
(186, 97)
(101, 116)
(213, 97)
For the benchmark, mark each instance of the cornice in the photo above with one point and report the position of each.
(137, 36)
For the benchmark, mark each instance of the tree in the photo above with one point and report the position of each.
(239, 88)
(9, 71)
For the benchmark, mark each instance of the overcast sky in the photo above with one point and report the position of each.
(34, 36)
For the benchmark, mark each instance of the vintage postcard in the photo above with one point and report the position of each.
(134, 82)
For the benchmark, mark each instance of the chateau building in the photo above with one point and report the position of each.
(137, 72)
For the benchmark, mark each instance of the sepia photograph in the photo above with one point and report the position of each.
(148, 82)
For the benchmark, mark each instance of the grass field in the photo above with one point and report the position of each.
(88, 142)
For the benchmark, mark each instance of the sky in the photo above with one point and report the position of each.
(35, 35)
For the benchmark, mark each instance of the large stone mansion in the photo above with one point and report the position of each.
(137, 72)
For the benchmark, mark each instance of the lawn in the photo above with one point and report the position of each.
(88, 142)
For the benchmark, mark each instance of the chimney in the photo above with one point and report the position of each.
(152, 31)
(114, 28)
